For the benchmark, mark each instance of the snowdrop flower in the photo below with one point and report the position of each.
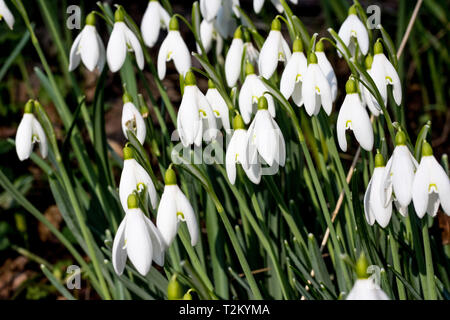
(135, 177)
(252, 89)
(274, 49)
(399, 174)
(294, 74)
(367, 97)
(122, 40)
(431, 185)
(155, 18)
(375, 208)
(137, 238)
(174, 48)
(173, 208)
(195, 118)
(316, 90)
(218, 105)
(353, 30)
(88, 47)
(327, 69)
(132, 119)
(28, 133)
(384, 73)
(353, 116)
(265, 137)
(207, 34)
(225, 22)
(365, 288)
(238, 152)
(209, 9)
(6, 14)
(258, 4)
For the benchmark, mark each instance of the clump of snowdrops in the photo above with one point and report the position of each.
(249, 197)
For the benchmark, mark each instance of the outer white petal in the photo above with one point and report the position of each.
(163, 52)
(370, 217)
(206, 35)
(345, 32)
(6, 14)
(181, 54)
(230, 158)
(266, 137)
(328, 71)
(257, 5)
(185, 207)
(420, 187)
(210, 126)
(366, 289)
(24, 142)
(127, 183)
(116, 51)
(281, 150)
(219, 107)
(151, 23)
(119, 253)
(246, 98)
(343, 117)
(309, 90)
(225, 23)
(379, 76)
(284, 52)
(138, 241)
(89, 48)
(102, 57)
(166, 219)
(209, 8)
(402, 175)
(325, 90)
(361, 33)
(277, 4)
(387, 183)
(361, 125)
(131, 114)
(188, 116)
(142, 176)
(268, 57)
(74, 56)
(289, 76)
(157, 242)
(134, 43)
(393, 75)
(233, 62)
(38, 131)
(382, 213)
(440, 178)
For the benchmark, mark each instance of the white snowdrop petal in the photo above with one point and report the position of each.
(233, 62)
(119, 253)
(157, 242)
(151, 23)
(361, 33)
(38, 131)
(344, 117)
(89, 48)
(24, 144)
(74, 56)
(420, 188)
(166, 219)
(185, 207)
(309, 90)
(188, 116)
(245, 98)
(257, 5)
(289, 75)
(394, 78)
(361, 125)
(328, 71)
(366, 289)
(402, 175)
(134, 43)
(230, 158)
(181, 54)
(440, 178)
(163, 52)
(370, 218)
(116, 51)
(142, 176)
(268, 57)
(102, 57)
(6, 14)
(325, 90)
(266, 137)
(127, 183)
(206, 35)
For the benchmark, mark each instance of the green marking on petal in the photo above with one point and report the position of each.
(432, 186)
(348, 124)
(202, 112)
(181, 215)
(298, 77)
(217, 113)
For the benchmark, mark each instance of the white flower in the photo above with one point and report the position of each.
(218, 105)
(353, 116)
(28, 133)
(384, 73)
(294, 74)
(137, 238)
(375, 207)
(316, 91)
(238, 152)
(399, 174)
(134, 177)
(6, 14)
(367, 97)
(274, 49)
(207, 35)
(265, 137)
(173, 208)
(327, 69)
(225, 22)
(366, 289)
(195, 118)
(155, 18)
(431, 185)
(88, 47)
(252, 89)
(132, 119)
(209, 9)
(174, 48)
(258, 4)
(353, 29)
(122, 40)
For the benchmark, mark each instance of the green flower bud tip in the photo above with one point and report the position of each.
(378, 47)
(238, 122)
(352, 10)
(238, 33)
(276, 25)
(188, 295)
(132, 201)
(312, 59)
(262, 103)
(189, 79)
(174, 289)
(350, 86)
(379, 160)
(29, 106)
(170, 177)
(247, 36)
(249, 69)
(127, 153)
(119, 16)
(127, 98)
(90, 19)
(368, 62)
(319, 46)
(361, 267)
(211, 84)
(427, 151)
(400, 138)
(173, 24)
(298, 45)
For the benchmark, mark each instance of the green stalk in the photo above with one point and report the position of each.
(396, 260)
(431, 285)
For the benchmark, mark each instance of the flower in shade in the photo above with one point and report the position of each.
(155, 18)
(174, 48)
(6, 14)
(353, 31)
(173, 208)
(327, 69)
(252, 89)
(238, 152)
(28, 133)
(209, 9)
(208, 33)
(138, 239)
(294, 73)
(134, 178)
(353, 116)
(218, 105)
(316, 90)
(431, 185)
(274, 49)
(132, 119)
(225, 22)
(122, 40)
(375, 208)
(258, 4)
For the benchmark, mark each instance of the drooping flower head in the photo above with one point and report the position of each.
(6, 14)
(367, 97)
(132, 119)
(326, 68)
(353, 31)
(218, 105)
(155, 18)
